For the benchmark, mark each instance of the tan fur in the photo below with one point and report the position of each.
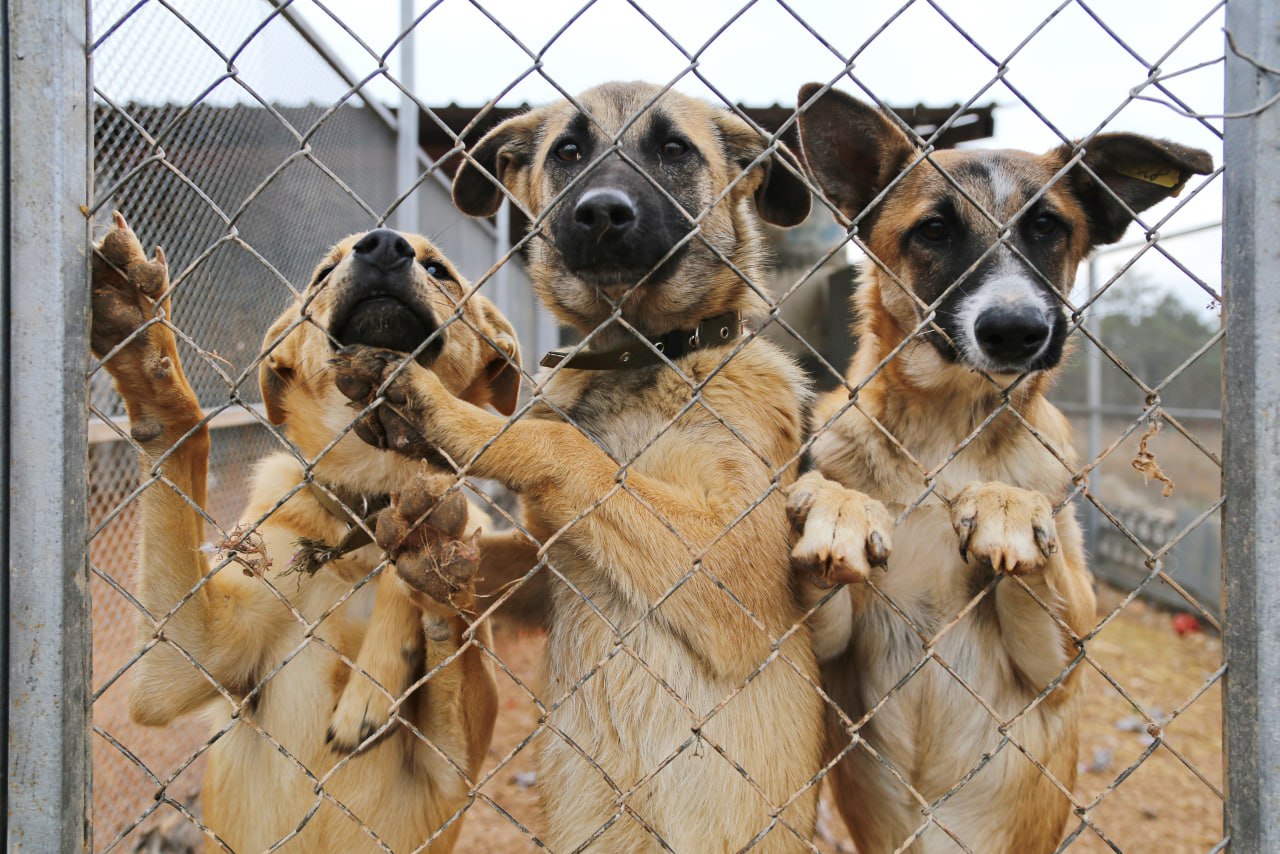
(239, 629)
(657, 512)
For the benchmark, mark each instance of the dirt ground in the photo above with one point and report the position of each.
(1162, 806)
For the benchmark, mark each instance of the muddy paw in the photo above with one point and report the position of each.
(1007, 528)
(128, 290)
(842, 533)
(424, 531)
(396, 424)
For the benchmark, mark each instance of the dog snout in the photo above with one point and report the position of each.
(383, 249)
(605, 213)
(1011, 335)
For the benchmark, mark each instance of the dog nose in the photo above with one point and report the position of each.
(384, 249)
(605, 213)
(1012, 334)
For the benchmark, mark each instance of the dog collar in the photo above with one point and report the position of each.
(713, 332)
(356, 509)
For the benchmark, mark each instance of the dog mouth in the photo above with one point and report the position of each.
(385, 321)
(616, 279)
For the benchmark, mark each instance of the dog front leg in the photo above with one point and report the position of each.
(425, 530)
(839, 537)
(390, 654)
(1014, 531)
(129, 305)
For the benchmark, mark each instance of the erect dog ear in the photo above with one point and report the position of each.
(275, 371)
(499, 382)
(1139, 170)
(853, 150)
(502, 153)
(782, 197)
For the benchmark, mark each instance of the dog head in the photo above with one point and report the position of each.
(393, 291)
(616, 221)
(1006, 316)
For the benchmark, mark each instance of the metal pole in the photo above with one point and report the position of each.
(48, 618)
(407, 215)
(1093, 400)
(1251, 431)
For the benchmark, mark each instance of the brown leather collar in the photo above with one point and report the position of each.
(352, 508)
(713, 332)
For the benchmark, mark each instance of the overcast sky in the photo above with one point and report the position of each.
(1073, 72)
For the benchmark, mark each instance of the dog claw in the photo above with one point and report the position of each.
(877, 550)
(118, 218)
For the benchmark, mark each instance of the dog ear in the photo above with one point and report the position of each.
(782, 197)
(1139, 170)
(853, 150)
(499, 383)
(500, 153)
(275, 371)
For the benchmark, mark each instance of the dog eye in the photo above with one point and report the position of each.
(1044, 225)
(323, 274)
(569, 151)
(436, 270)
(934, 229)
(674, 149)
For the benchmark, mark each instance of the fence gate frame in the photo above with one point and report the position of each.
(45, 637)
(1251, 428)
(46, 424)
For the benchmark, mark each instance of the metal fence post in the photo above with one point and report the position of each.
(407, 148)
(1093, 399)
(1251, 434)
(48, 619)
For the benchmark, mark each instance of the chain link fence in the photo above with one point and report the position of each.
(247, 137)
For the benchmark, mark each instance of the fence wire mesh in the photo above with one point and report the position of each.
(245, 138)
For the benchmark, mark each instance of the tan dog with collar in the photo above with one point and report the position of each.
(271, 644)
(685, 711)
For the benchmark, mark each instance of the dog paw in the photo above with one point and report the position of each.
(424, 531)
(1005, 527)
(399, 422)
(842, 534)
(361, 711)
(128, 291)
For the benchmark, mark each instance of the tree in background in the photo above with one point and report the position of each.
(1152, 331)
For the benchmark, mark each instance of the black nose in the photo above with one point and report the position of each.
(1012, 334)
(384, 249)
(605, 213)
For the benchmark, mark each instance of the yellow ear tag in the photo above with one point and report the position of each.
(1161, 176)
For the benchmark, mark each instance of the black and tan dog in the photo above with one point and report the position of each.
(652, 484)
(249, 630)
(1000, 332)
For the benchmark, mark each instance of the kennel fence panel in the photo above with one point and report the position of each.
(216, 180)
